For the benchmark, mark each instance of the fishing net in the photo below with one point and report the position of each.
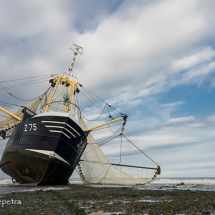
(98, 170)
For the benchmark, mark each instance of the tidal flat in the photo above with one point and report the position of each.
(82, 200)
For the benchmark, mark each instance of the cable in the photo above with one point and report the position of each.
(25, 99)
(109, 140)
(88, 91)
(92, 93)
(120, 150)
(139, 149)
(24, 78)
(42, 104)
(25, 84)
(107, 112)
(114, 109)
(111, 118)
(91, 100)
(104, 141)
(10, 106)
(101, 144)
(100, 99)
(96, 104)
(96, 118)
(6, 116)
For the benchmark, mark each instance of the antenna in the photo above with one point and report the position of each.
(77, 50)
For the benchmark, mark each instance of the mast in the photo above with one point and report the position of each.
(77, 50)
(68, 97)
(67, 82)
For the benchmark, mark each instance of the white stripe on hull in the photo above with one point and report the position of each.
(61, 123)
(49, 153)
(53, 126)
(70, 132)
(60, 132)
(54, 122)
(73, 129)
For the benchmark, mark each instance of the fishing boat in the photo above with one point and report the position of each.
(47, 143)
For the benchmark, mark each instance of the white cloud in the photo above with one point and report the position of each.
(181, 119)
(173, 104)
(130, 47)
(133, 47)
(196, 124)
(211, 118)
(131, 55)
(203, 56)
(196, 75)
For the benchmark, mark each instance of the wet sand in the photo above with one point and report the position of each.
(80, 200)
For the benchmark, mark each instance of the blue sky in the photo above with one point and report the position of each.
(153, 60)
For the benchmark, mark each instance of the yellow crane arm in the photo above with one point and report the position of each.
(106, 123)
(10, 114)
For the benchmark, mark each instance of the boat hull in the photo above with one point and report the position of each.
(44, 150)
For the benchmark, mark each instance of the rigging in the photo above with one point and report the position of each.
(25, 78)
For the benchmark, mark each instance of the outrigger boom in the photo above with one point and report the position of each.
(10, 114)
(107, 123)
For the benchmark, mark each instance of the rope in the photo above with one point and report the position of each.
(139, 149)
(99, 98)
(91, 101)
(6, 116)
(43, 104)
(24, 78)
(92, 93)
(24, 99)
(102, 143)
(99, 106)
(24, 84)
(102, 111)
(109, 140)
(120, 150)
(10, 106)
(96, 118)
(88, 91)
(114, 110)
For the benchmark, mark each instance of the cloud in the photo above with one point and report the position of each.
(182, 119)
(173, 104)
(134, 50)
(120, 51)
(204, 56)
(133, 53)
(211, 118)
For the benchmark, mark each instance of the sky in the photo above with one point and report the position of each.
(153, 60)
